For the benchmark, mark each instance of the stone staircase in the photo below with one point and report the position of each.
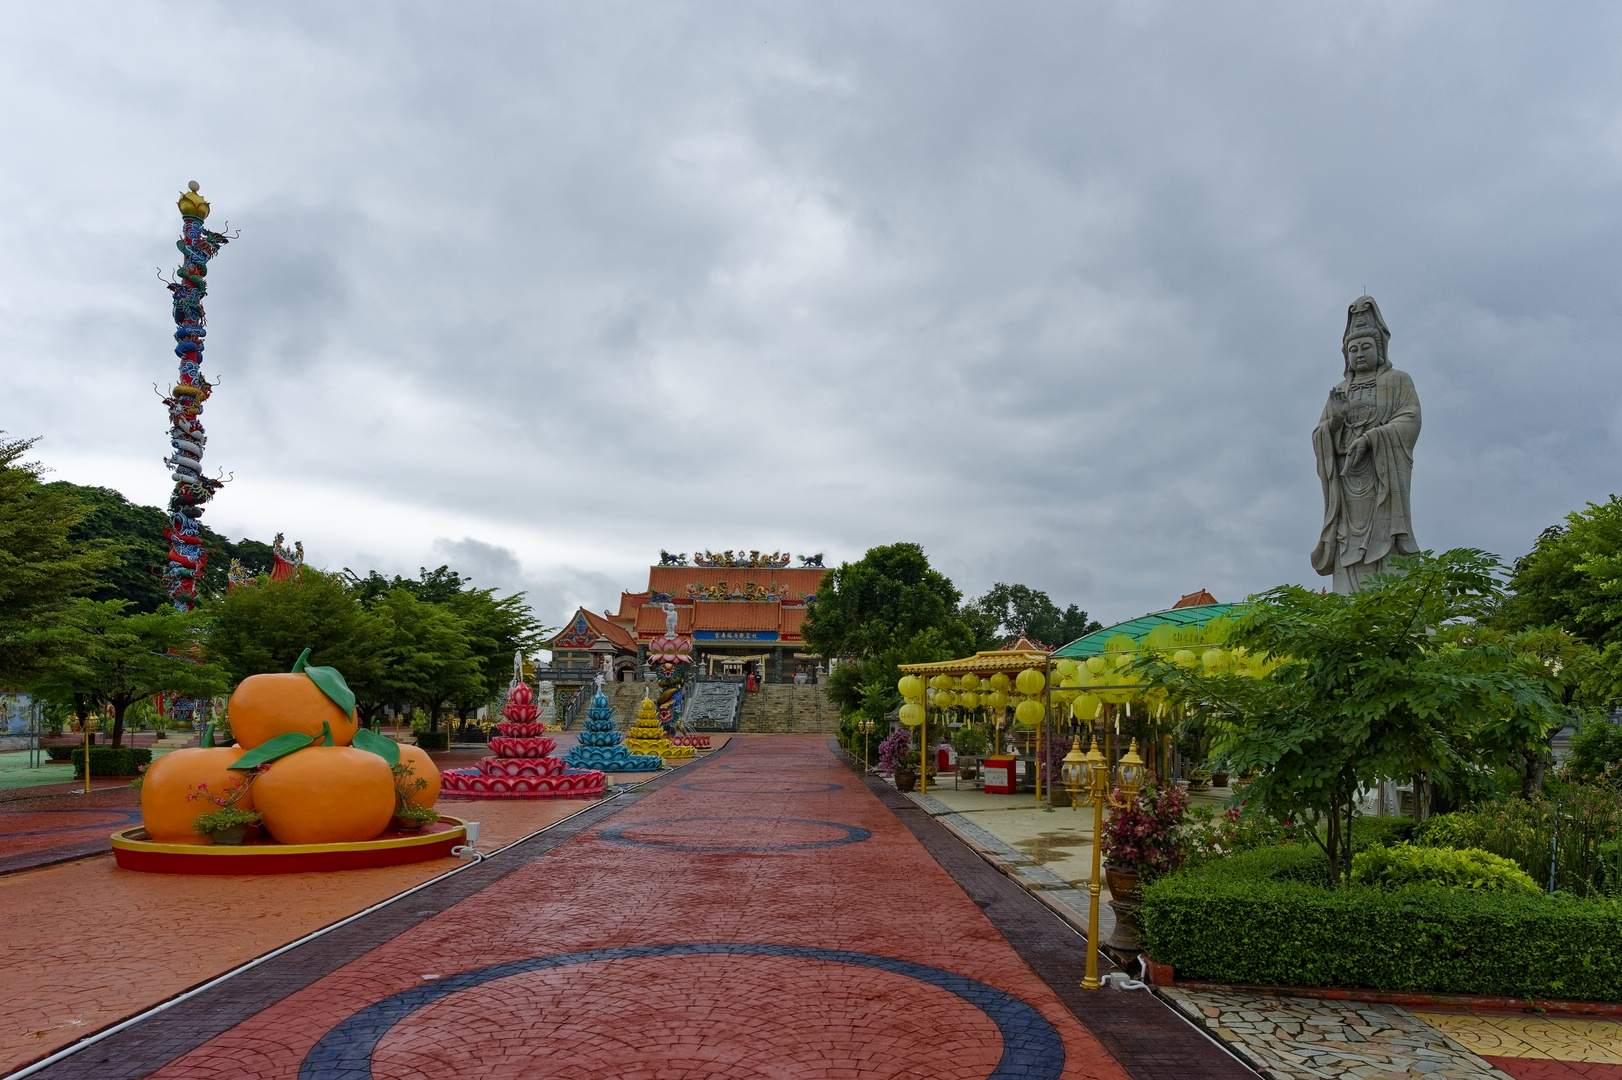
(775, 707)
(788, 708)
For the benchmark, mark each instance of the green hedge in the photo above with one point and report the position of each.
(1254, 918)
(434, 740)
(104, 760)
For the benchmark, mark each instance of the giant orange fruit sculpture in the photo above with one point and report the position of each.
(422, 768)
(265, 706)
(169, 790)
(325, 795)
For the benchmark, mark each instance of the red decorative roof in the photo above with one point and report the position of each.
(1025, 644)
(673, 580)
(1195, 599)
(629, 603)
(587, 629)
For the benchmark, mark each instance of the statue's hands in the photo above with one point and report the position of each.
(1356, 452)
(1337, 407)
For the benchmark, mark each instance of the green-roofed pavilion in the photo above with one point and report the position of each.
(1193, 615)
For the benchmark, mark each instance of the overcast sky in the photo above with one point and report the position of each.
(1055, 290)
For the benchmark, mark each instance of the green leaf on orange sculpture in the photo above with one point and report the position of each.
(329, 681)
(279, 747)
(381, 745)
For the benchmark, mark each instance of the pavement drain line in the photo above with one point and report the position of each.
(622, 791)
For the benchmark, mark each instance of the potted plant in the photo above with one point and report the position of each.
(1219, 774)
(897, 758)
(1199, 779)
(408, 817)
(1140, 842)
(228, 825)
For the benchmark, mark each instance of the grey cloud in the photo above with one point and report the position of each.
(1056, 291)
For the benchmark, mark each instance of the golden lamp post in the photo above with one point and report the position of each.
(90, 724)
(1129, 778)
(866, 728)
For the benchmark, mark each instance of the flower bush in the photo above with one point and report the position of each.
(1238, 828)
(1146, 834)
(895, 751)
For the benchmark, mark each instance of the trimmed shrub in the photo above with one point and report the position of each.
(1254, 919)
(1443, 868)
(434, 740)
(104, 760)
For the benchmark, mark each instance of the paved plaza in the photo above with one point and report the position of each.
(763, 911)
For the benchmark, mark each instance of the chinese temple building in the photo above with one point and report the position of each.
(743, 612)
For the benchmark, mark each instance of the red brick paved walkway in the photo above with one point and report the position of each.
(50, 828)
(760, 914)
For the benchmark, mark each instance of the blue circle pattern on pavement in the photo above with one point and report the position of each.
(722, 789)
(615, 834)
(1032, 1049)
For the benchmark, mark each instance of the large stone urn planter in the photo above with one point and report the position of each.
(1127, 937)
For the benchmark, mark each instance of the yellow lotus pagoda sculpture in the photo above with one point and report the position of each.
(648, 737)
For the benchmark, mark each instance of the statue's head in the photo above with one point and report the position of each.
(1366, 339)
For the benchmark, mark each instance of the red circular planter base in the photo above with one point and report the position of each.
(134, 852)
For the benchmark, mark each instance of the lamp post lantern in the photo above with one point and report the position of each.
(1097, 791)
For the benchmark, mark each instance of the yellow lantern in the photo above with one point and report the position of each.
(912, 714)
(1028, 713)
(1124, 660)
(969, 699)
(1065, 667)
(970, 681)
(1095, 664)
(1185, 658)
(1213, 659)
(1086, 708)
(997, 699)
(1030, 682)
(942, 682)
(999, 681)
(911, 687)
(944, 699)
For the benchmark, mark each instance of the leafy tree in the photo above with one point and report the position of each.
(1365, 689)
(266, 627)
(1596, 750)
(495, 629)
(1520, 737)
(137, 576)
(1007, 611)
(42, 568)
(1571, 578)
(429, 661)
(121, 659)
(887, 608)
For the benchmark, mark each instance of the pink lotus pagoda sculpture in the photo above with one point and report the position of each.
(521, 766)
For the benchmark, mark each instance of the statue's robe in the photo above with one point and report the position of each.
(1366, 511)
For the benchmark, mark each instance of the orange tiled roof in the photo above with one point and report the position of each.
(674, 579)
(629, 603)
(599, 626)
(793, 618)
(736, 615)
(1195, 599)
(650, 621)
(1025, 644)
